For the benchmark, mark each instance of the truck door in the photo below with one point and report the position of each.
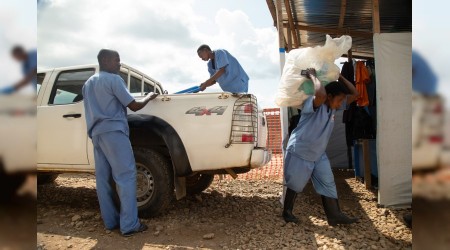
(62, 136)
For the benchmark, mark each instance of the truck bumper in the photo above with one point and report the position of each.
(260, 157)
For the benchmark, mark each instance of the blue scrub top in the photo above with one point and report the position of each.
(424, 80)
(29, 65)
(310, 138)
(105, 101)
(234, 80)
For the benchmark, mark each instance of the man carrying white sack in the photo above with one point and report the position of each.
(295, 88)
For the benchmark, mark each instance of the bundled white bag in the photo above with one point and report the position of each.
(294, 88)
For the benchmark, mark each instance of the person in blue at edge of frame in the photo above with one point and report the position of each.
(224, 69)
(305, 153)
(106, 99)
(29, 69)
(424, 80)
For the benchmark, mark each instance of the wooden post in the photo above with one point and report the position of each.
(349, 55)
(376, 16)
(289, 39)
(342, 16)
(367, 168)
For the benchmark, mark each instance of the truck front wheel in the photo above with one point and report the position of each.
(198, 183)
(154, 182)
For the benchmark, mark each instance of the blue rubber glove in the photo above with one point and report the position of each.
(7, 90)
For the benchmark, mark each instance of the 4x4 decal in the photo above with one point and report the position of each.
(199, 111)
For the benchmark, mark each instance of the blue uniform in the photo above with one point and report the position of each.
(29, 65)
(105, 101)
(234, 80)
(424, 80)
(305, 157)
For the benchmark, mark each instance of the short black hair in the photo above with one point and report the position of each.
(105, 53)
(336, 88)
(17, 49)
(203, 47)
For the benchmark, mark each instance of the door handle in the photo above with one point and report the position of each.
(72, 115)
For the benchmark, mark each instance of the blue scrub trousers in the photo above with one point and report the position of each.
(114, 161)
(298, 171)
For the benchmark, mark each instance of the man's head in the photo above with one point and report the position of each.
(109, 61)
(19, 53)
(336, 93)
(204, 52)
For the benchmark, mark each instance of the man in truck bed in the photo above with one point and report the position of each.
(106, 99)
(224, 69)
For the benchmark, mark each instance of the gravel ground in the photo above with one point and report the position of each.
(231, 214)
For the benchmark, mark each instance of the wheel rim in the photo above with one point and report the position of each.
(145, 185)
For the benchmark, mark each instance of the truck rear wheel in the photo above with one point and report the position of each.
(46, 178)
(154, 182)
(198, 183)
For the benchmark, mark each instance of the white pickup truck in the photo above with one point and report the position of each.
(180, 141)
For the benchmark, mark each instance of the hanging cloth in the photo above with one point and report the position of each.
(362, 78)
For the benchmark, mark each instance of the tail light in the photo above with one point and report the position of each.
(248, 138)
(437, 109)
(436, 139)
(244, 129)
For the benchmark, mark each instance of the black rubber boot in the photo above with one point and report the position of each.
(289, 200)
(333, 212)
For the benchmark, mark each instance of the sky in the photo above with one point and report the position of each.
(160, 38)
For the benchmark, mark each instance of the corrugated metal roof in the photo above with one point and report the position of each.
(313, 19)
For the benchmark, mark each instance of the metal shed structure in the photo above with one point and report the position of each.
(380, 29)
(304, 23)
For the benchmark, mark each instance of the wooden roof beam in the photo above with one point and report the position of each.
(273, 11)
(338, 31)
(291, 23)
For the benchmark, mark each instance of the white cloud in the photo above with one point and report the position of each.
(158, 37)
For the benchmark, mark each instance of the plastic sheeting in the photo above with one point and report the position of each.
(392, 53)
(294, 88)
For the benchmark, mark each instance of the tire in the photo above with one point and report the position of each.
(46, 178)
(154, 181)
(198, 183)
(9, 184)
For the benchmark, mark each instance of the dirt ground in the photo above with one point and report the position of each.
(231, 214)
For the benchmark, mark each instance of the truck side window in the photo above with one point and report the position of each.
(40, 80)
(135, 85)
(149, 88)
(68, 86)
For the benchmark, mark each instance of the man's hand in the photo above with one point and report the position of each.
(152, 95)
(203, 86)
(310, 72)
(137, 105)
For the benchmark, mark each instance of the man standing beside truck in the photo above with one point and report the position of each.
(224, 69)
(106, 99)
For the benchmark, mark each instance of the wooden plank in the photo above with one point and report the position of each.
(281, 38)
(336, 31)
(273, 11)
(367, 169)
(342, 16)
(291, 22)
(376, 16)
(289, 39)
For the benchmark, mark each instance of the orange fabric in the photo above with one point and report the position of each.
(362, 77)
